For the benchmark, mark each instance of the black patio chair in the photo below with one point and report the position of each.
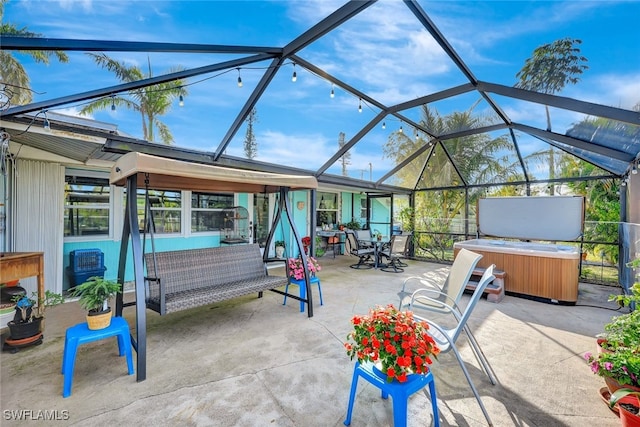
(363, 253)
(394, 253)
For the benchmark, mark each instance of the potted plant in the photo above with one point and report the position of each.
(394, 340)
(306, 242)
(27, 321)
(628, 402)
(353, 225)
(618, 358)
(279, 244)
(296, 267)
(94, 295)
(319, 249)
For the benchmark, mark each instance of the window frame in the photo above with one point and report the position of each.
(191, 210)
(106, 206)
(320, 210)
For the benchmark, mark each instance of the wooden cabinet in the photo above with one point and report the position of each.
(19, 265)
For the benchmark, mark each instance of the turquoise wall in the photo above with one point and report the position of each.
(111, 248)
(111, 251)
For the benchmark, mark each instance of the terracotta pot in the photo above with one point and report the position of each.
(606, 396)
(628, 419)
(599, 348)
(614, 385)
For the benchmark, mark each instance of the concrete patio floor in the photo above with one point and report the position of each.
(255, 362)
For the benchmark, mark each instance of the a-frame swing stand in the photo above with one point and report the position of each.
(131, 233)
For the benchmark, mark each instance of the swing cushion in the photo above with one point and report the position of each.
(180, 280)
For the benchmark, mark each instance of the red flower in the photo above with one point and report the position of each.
(392, 338)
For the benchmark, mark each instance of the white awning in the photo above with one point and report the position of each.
(169, 174)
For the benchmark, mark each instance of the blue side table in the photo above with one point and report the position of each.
(81, 334)
(400, 392)
(302, 289)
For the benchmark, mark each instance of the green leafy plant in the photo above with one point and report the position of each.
(353, 225)
(401, 344)
(617, 395)
(620, 359)
(319, 249)
(32, 307)
(279, 243)
(621, 364)
(95, 293)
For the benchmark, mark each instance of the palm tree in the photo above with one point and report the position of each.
(12, 73)
(474, 157)
(551, 67)
(149, 101)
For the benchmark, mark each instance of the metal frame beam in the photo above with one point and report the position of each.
(248, 106)
(421, 15)
(504, 184)
(37, 43)
(337, 18)
(43, 105)
(574, 142)
(589, 108)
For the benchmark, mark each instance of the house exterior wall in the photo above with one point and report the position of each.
(37, 208)
(36, 223)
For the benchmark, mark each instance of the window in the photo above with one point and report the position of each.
(86, 206)
(363, 208)
(206, 211)
(326, 208)
(165, 207)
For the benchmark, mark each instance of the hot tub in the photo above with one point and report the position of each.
(540, 270)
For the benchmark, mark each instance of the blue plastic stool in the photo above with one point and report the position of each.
(303, 289)
(81, 334)
(400, 392)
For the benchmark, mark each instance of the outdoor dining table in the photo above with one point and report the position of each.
(377, 249)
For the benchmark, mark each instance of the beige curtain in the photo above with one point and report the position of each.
(37, 218)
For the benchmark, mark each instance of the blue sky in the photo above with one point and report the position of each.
(384, 52)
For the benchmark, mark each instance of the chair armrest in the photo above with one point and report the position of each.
(435, 304)
(424, 282)
(440, 335)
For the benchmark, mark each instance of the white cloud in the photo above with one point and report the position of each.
(615, 90)
(75, 112)
(86, 5)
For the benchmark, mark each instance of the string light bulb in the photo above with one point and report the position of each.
(384, 125)
(239, 78)
(181, 101)
(333, 93)
(294, 77)
(359, 105)
(634, 169)
(46, 125)
(113, 103)
(400, 130)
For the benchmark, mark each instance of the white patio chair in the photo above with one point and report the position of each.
(446, 338)
(449, 292)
